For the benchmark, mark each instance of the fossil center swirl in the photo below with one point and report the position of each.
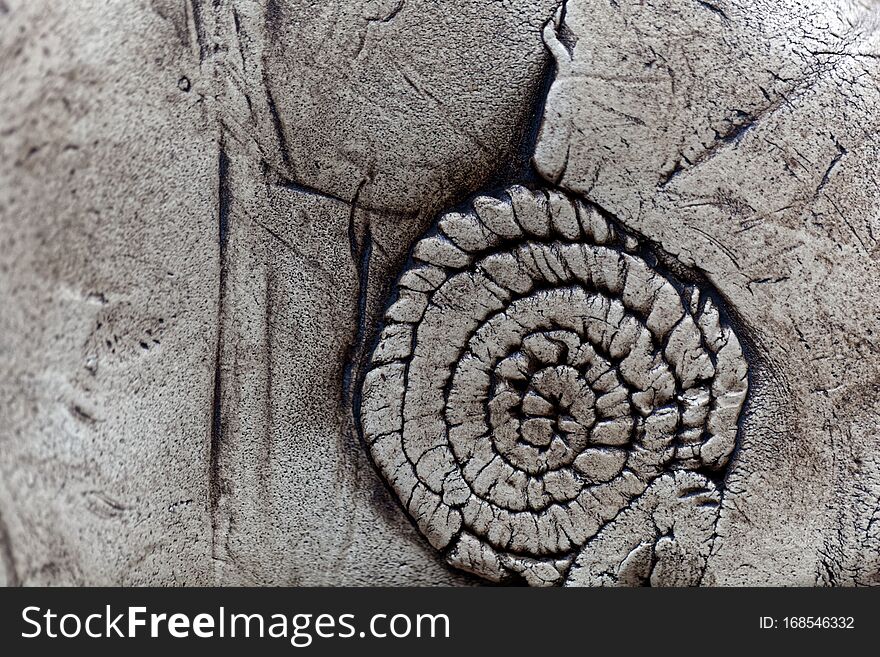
(535, 374)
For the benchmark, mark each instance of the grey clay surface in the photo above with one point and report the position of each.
(434, 292)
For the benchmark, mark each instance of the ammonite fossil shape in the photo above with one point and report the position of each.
(539, 374)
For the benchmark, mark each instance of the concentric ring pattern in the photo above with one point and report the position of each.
(534, 375)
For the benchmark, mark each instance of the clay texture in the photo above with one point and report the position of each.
(434, 292)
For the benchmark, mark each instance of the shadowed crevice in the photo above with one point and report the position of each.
(215, 483)
(7, 556)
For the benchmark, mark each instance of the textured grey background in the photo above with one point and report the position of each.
(203, 204)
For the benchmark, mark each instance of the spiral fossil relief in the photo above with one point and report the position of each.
(549, 403)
